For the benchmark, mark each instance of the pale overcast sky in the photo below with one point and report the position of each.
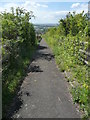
(47, 12)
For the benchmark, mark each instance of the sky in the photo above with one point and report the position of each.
(46, 11)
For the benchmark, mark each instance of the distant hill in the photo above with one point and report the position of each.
(46, 25)
(41, 28)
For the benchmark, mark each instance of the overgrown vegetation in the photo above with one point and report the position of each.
(18, 44)
(73, 34)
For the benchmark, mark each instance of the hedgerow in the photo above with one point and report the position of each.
(18, 44)
(66, 41)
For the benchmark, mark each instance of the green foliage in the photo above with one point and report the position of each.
(66, 40)
(18, 43)
(73, 24)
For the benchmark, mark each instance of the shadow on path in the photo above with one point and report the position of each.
(46, 56)
(17, 101)
(41, 47)
(34, 68)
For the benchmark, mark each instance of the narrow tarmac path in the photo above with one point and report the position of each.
(44, 92)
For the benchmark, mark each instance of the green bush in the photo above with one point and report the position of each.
(66, 42)
(18, 44)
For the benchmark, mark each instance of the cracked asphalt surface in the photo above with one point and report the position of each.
(44, 92)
